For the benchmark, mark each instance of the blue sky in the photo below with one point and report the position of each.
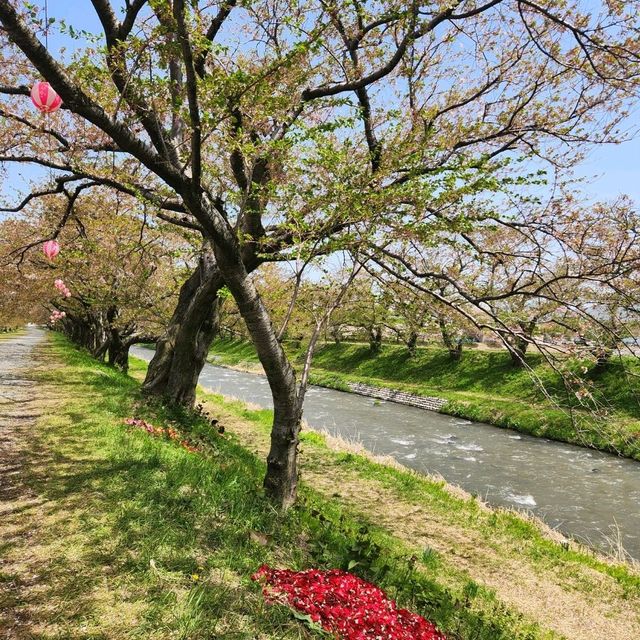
(611, 170)
(616, 169)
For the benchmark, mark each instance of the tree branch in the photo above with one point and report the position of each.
(192, 95)
(212, 32)
(80, 103)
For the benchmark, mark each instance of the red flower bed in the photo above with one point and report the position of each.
(344, 604)
(170, 433)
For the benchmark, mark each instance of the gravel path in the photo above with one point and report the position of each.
(20, 406)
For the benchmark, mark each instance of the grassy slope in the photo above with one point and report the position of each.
(133, 537)
(454, 534)
(500, 564)
(483, 386)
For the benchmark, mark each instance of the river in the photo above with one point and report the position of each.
(586, 494)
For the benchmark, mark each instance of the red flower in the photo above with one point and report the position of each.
(170, 432)
(344, 604)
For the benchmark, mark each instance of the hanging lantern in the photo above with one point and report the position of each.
(51, 249)
(62, 288)
(45, 98)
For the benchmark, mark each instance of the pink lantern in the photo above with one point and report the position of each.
(51, 249)
(45, 98)
(62, 288)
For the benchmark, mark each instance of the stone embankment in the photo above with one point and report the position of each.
(391, 395)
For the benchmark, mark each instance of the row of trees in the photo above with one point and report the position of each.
(573, 298)
(405, 139)
(121, 270)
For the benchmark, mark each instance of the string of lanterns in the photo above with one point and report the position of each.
(62, 288)
(46, 100)
(56, 315)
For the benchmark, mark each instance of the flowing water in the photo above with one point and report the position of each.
(589, 495)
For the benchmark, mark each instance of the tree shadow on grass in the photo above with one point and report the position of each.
(119, 530)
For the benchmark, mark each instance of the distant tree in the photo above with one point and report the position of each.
(562, 265)
(407, 312)
(367, 310)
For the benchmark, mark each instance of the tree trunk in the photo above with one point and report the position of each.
(281, 479)
(191, 349)
(456, 353)
(375, 339)
(89, 331)
(119, 354)
(100, 352)
(182, 350)
(519, 342)
(118, 350)
(518, 351)
(160, 366)
(97, 330)
(453, 345)
(412, 343)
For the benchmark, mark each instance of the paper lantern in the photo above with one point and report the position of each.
(51, 249)
(45, 98)
(62, 288)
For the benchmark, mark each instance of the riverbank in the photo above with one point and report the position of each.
(519, 564)
(483, 387)
(113, 533)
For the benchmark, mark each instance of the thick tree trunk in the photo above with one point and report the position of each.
(281, 479)
(160, 366)
(455, 353)
(182, 350)
(191, 349)
(119, 356)
(118, 351)
(88, 331)
(102, 350)
(97, 330)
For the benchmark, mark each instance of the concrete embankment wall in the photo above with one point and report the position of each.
(381, 393)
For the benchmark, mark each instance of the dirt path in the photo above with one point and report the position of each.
(21, 404)
(19, 409)
(569, 598)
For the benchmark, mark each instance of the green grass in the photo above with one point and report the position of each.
(139, 524)
(484, 386)
(501, 527)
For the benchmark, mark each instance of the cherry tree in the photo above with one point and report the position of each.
(114, 281)
(262, 127)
